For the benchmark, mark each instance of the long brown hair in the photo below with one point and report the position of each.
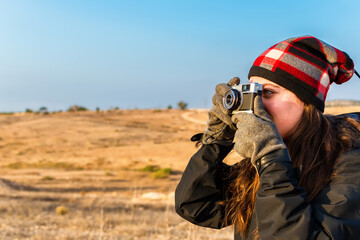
(324, 137)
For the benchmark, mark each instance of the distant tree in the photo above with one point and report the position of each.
(169, 107)
(81, 108)
(97, 109)
(28, 110)
(43, 110)
(76, 108)
(182, 105)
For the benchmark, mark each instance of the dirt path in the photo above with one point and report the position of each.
(188, 116)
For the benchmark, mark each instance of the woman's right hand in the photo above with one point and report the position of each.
(220, 128)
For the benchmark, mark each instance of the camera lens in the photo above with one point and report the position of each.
(231, 99)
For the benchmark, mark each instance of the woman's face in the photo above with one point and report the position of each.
(283, 106)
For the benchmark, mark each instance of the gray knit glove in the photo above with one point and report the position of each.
(256, 134)
(220, 128)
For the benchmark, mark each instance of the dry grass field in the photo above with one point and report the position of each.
(98, 175)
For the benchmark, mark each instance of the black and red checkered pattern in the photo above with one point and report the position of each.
(306, 66)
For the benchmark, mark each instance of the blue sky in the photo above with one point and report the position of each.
(151, 54)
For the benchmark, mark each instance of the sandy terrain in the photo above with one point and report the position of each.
(98, 175)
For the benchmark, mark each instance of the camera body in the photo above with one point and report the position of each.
(240, 98)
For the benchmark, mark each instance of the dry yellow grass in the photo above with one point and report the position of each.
(342, 109)
(76, 175)
(88, 163)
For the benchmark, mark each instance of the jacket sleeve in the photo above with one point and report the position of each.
(200, 191)
(283, 212)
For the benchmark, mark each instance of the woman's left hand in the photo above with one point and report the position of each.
(256, 134)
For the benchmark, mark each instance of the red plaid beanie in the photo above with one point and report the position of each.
(306, 66)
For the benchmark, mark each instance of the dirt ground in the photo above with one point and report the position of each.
(98, 175)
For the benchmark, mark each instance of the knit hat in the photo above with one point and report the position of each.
(306, 66)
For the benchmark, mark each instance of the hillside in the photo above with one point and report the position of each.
(342, 103)
(99, 175)
(89, 175)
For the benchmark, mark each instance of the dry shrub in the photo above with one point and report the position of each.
(47, 178)
(161, 173)
(62, 210)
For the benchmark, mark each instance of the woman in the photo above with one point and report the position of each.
(300, 177)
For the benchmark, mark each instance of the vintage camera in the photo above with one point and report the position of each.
(240, 98)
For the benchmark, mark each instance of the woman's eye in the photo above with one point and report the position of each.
(267, 92)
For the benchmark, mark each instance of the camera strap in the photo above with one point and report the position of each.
(357, 74)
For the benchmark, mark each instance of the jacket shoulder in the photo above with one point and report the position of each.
(337, 207)
(354, 115)
(348, 166)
